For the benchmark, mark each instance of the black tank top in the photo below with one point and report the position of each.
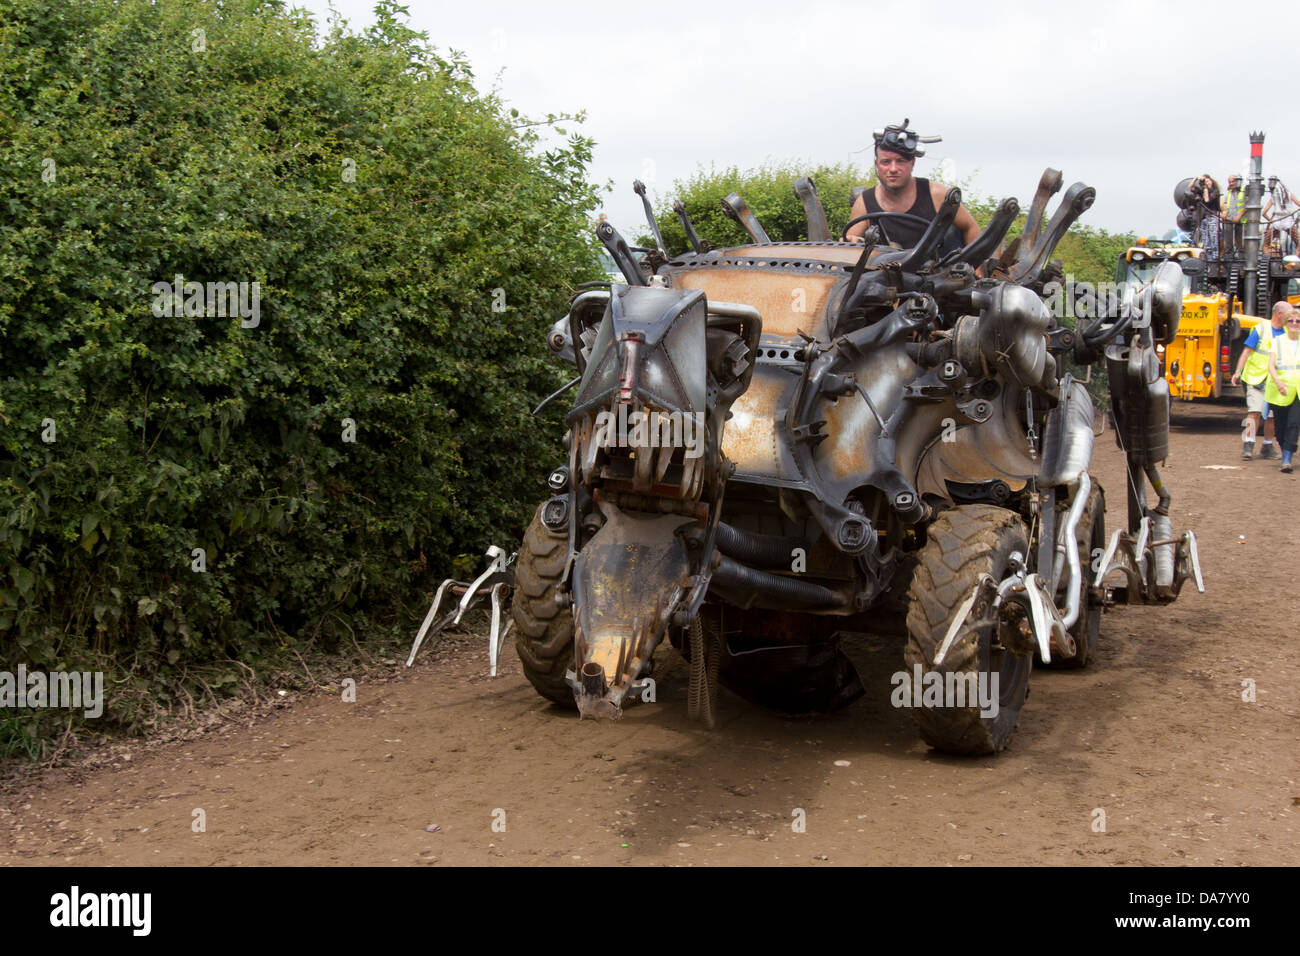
(903, 231)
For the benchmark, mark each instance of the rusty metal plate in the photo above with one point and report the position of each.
(749, 437)
(621, 583)
(788, 301)
(849, 453)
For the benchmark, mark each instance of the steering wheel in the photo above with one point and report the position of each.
(844, 233)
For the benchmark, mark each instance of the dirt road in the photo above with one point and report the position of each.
(1155, 735)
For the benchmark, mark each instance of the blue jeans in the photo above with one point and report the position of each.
(1286, 424)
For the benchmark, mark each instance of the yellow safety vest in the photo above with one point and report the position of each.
(1286, 352)
(1234, 202)
(1256, 368)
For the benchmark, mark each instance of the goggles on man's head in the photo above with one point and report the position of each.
(901, 140)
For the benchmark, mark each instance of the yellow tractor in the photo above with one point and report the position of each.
(1199, 362)
(1224, 296)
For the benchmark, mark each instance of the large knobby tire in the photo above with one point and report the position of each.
(962, 544)
(543, 629)
(1090, 536)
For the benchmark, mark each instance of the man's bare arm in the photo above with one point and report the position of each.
(859, 209)
(1246, 353)
(966, 225)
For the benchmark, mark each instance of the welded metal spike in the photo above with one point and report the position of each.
(429, 626)
(983, 591)
(664, 460)
(644, 470)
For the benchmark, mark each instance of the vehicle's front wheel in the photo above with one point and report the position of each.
(543, 629)
(963, 544)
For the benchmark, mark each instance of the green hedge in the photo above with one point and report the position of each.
(769, 192)
(412, 240)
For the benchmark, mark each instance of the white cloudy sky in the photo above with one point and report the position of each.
(1127, 97)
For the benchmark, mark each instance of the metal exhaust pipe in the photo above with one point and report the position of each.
(1067, 548)
(593, 679)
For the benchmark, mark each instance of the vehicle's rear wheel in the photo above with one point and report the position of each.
(1091, 538)
(543, 629)
(963, 544)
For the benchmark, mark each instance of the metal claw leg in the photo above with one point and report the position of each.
(1146, 563)
(1135, 557)
(494, 583)
(497, 636)
(1189, 561)
(428, 618)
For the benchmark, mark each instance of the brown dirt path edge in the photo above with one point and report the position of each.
(1155, 734)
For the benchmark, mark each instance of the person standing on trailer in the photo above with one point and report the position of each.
(1206, 191)
(1234, 211)
(1280, 214)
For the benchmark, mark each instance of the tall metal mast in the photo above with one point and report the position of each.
(1254, 189)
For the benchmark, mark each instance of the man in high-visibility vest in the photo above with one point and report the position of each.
(1234, 209)
(1252, 368)
(1284, 385)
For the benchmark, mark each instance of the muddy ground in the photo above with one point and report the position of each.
(1155, 734)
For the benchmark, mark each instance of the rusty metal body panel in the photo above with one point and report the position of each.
(997, 449)
(790, 298)
(751, 438)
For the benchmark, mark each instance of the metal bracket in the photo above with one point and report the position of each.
(975, 411)
(1061, 340)
(1019, 587)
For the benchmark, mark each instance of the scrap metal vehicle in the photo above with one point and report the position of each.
(777, 444)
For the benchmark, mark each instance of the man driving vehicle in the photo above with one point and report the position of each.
(898, 191)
